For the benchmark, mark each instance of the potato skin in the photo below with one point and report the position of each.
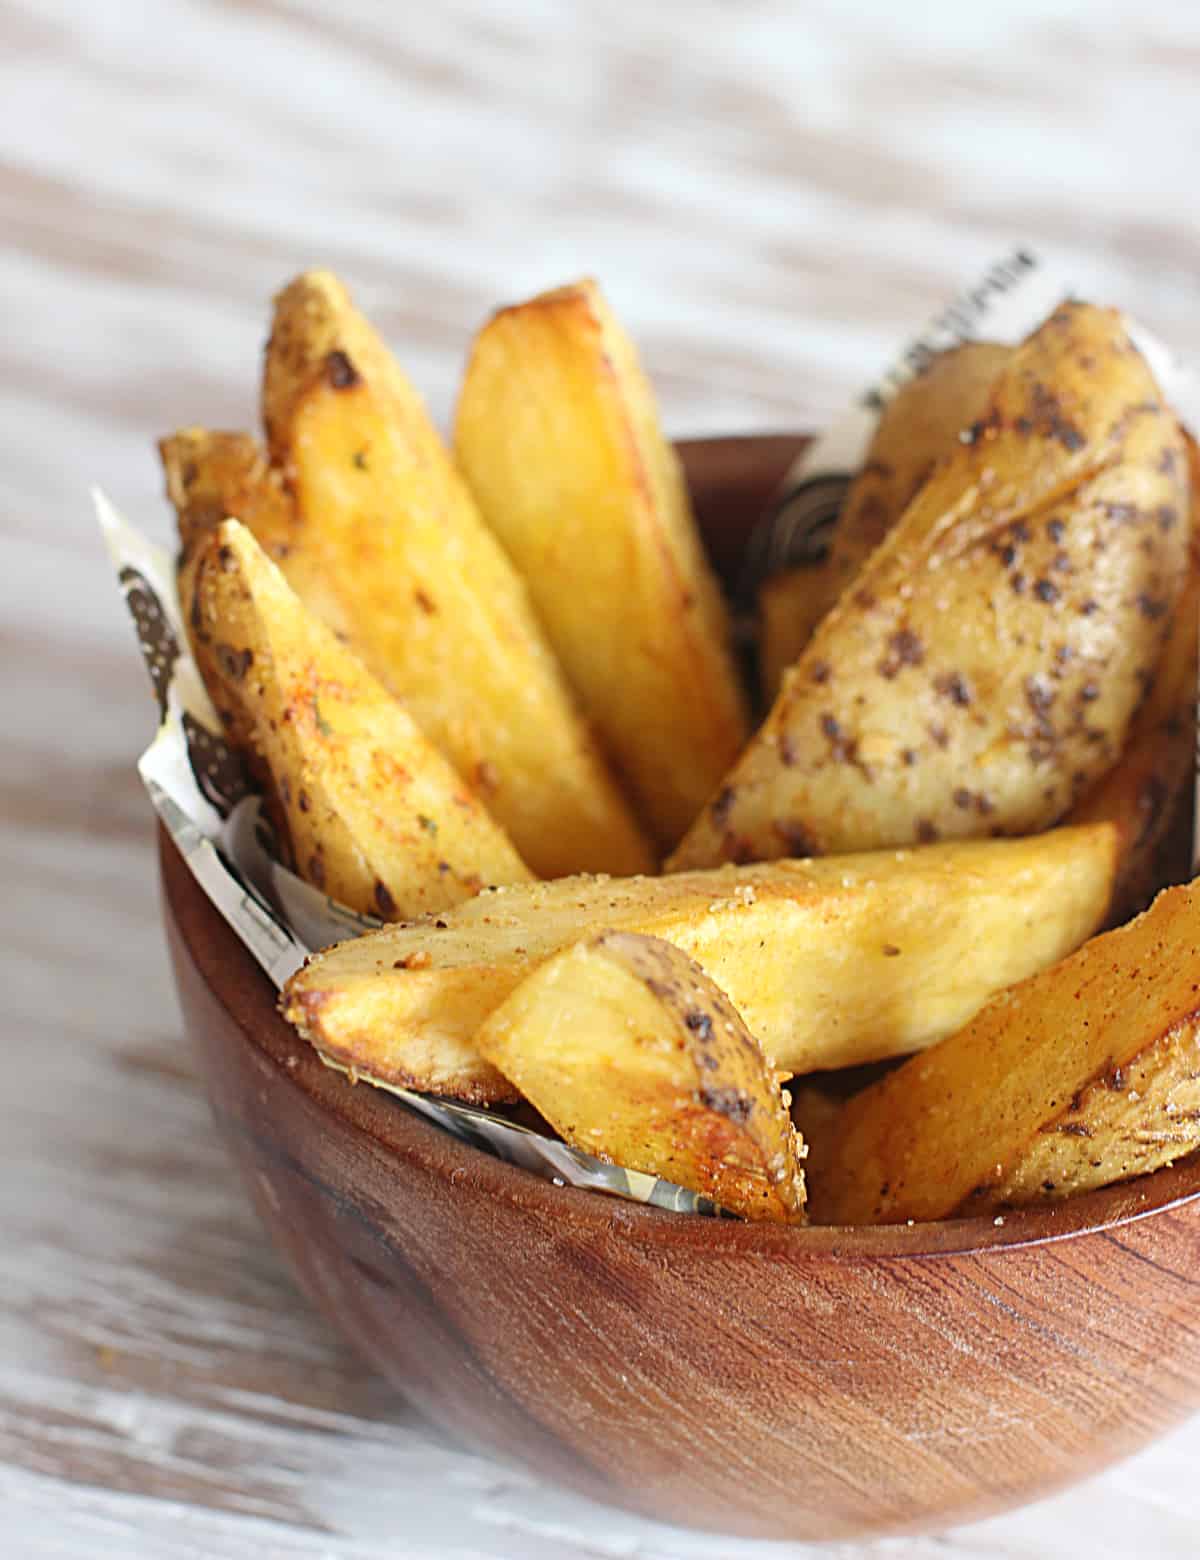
(983, 671)
(918, 427)
(559, 438)
(374, 816)
(393, 550)
(1082, 1075)
(633, 1054)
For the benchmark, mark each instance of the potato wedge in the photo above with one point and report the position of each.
(423, 590)
(1084, 1074)
(558, 436)
(1145, 791)
(918, 427)
(830, 962)
(790, 605)
(374, 815)
(630, 1051)
(981, 674)
(215, 476)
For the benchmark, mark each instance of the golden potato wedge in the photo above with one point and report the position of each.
(1144, 792)
(425, 593)
(982, 672)
(1084, 1074)
(830, 962)
(215, 476)
(558, 436)
(918, 427)
(630, 1051)
(374, 815)
(224, 476)
(790, 605)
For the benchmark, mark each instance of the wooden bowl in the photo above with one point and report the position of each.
(808, 1384)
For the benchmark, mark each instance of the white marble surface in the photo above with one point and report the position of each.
(773, 195)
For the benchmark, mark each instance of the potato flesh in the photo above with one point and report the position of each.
(559, 438)
(830, 962)
(409, 572)
(630, 1052)
(918, 427)
(1039, 1087)
(982, 673)
(375, 816)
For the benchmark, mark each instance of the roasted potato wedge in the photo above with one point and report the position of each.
(918, 427)
(830, 962)
(1084, 1074)
(558, 436)
(982, 672)
(424, 592)
(374, 815)
(790, 605)
(215, 476)
(630, 1051)
(1144, 792)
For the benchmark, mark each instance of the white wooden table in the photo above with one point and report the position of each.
(773, 195)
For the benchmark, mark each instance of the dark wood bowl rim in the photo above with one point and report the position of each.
(245, 993)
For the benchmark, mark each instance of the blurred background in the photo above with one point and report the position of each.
(774, 196)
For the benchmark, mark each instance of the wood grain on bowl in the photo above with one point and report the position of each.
(810, 1383)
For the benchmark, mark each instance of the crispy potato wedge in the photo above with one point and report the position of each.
(830, 962)
(982, 672)
(790, 605)
(558, 436)
(374, 815)
(631, 1052)
(215, 476)
(425, 593)
(918, 427)
(1084, 1074)
(1144, 792)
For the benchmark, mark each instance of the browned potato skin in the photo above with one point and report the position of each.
(558, 435)
(918, 427)
(1084, 1074)
(389, 536)
(633, 1054)
(831, 963)
(982, 672)
(374, 816)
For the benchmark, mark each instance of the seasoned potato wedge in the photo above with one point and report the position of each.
(1084, 1074)
(918, 427)
(215, 476)
(374, 815)
(423, 590)
(790, 605)
(558, 436)
(982, 672)
(829, 962)
(224, 476)
(1144, 792)
(630, 1051)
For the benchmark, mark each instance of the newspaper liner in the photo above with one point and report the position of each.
(199, 790)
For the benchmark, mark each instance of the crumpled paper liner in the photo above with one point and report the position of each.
(199, 788)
